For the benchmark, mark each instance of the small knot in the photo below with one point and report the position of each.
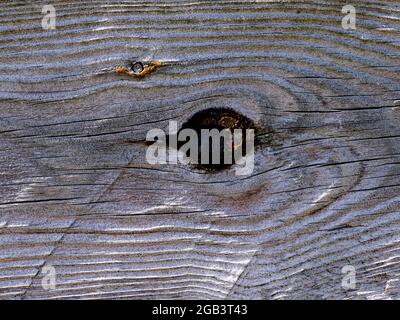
(138, 69)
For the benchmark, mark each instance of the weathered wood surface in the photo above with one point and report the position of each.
(76, 192)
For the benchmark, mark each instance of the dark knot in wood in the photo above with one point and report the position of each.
(220, 119)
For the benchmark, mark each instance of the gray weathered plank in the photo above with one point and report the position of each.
(77, 193)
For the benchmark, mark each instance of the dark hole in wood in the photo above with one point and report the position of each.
(137, 67)
(220, 119)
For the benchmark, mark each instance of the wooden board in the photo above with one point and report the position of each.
(76, 192)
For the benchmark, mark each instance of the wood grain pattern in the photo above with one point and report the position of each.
(76, 192)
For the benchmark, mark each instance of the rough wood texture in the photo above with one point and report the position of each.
(76, 192)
